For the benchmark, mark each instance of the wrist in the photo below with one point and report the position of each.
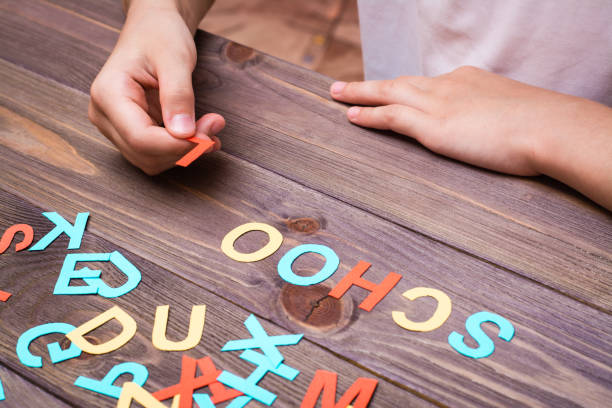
(575, 148)
(191, 11)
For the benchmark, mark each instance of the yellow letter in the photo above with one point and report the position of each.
(276, 239)
(77, 336)
(134, 392)
(196, 328)
(437, 319)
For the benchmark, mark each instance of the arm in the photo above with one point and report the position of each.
(192, 11)
(578, 149)
(494, 122)
(142, 99)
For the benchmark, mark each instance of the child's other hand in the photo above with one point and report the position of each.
(146, 82)
(494, 122)
(469, 114)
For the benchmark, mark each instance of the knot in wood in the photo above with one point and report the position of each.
(239, 53)
(65, 343)
(310, 306)
(304, 225)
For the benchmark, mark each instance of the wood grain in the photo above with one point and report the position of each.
(563, 240)
(31, 277)
(562, 344)
(20, 392)
(107, 12)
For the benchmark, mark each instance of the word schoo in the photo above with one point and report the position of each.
(377, 291)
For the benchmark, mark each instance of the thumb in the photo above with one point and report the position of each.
(176, 98)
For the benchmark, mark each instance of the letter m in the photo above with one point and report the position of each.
(325, 382)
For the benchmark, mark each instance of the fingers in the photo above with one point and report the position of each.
(383, 92)
(398, 118)
(176, 97)
(150, 164)
(208, 126)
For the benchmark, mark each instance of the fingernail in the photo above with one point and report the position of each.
(337, 87)
(182, 123)
(353, 112)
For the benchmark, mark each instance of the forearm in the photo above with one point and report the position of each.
(578, 152)
(192, 11)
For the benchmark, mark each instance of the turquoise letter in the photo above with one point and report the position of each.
(55, 352)
(105, 386)
(331, 264)
(75, 232)
(485, 344)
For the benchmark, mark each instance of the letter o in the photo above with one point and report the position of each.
(331, 264)
(227, 245)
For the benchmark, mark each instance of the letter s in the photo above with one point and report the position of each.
(485, 344)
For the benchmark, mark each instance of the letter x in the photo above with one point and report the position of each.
(261, 340)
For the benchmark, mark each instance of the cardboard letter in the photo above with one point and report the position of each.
(194, 335)
(95, 285)
(227, 245)
(75, 232)
(189, 383)
(261, 340)
(106, 385)
(55, 351)
(485, 344)
(9, 235)
(203, 401)
(77, 336)
(202, 147)
(325, 381)
(442, 312)
(134, 392)
(331, 265)
(378, 292)
(4, 296)
(248, 386)
(68, 272)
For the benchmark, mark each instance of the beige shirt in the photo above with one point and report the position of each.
(563, 45)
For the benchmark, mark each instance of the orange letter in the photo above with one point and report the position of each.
(377, 291)
(325, 381)
(9, 234)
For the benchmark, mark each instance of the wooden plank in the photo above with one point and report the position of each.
(48, 15)
(20, 392)
(108, 12)
(31, 277)
(563, 240)
(562, 354)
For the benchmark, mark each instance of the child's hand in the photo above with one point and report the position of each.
(151, 64)
(490, 121)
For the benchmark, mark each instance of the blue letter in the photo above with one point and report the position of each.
(331, 264)
(55, 351)
(106, 385)
(92, 277)
(485, 344)
(75, 232)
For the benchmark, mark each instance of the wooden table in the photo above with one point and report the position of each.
(528, 249)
